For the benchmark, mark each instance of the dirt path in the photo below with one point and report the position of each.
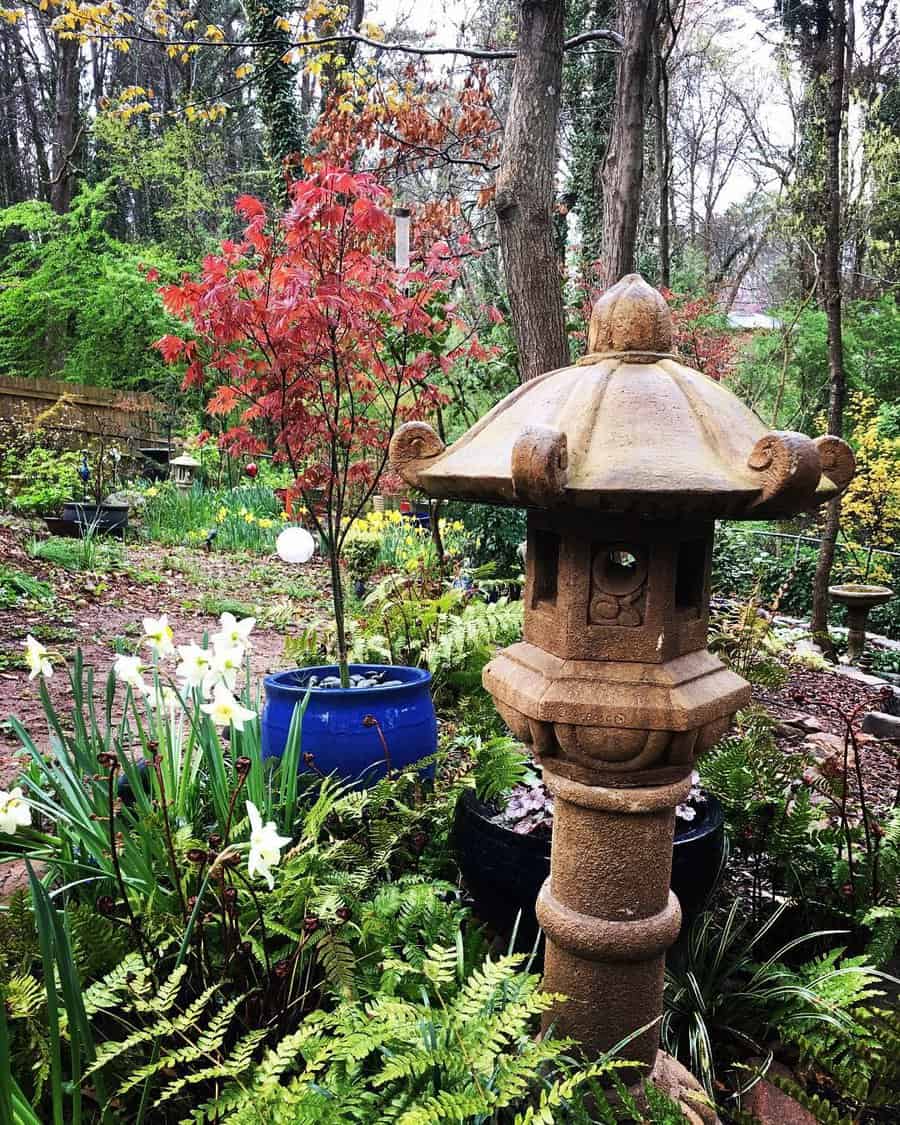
(102, 614)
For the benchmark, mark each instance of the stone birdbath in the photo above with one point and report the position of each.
(859, 599)
(623, 461)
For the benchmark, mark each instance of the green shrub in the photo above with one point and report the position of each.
(361, 555)
(74, 302)
(42, 480)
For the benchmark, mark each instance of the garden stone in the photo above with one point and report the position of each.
(881, 724)
(810, 724)
(133, 501)
(890, 703)
(624, 462)
(772, 1106)
(788, 730)
(823, 744)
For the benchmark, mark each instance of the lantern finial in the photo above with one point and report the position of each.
(631, 316)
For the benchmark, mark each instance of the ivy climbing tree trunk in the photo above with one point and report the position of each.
(623, 169)
(525, 191)
(830, 271)
(276, 79)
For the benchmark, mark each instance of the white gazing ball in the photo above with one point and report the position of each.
(295, 545)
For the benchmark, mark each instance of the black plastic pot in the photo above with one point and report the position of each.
(109, 519)
(503, 870)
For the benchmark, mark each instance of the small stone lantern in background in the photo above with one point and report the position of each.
(624, 461)
(184, 470)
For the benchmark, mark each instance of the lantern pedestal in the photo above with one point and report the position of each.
(609, 920)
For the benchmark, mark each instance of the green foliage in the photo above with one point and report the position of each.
(41, 480)
(497, 533)
(453, 636)
(463, 1057)
(360, 555)
(765, 812)
(246, 518)
(831, 862)
(784, 374)
(743, 636)
(74, 302)
(857, 1062)
(780, 572)
(16, 587)
(724, 998)
(181, 168)
(90, 553)
(500, 765)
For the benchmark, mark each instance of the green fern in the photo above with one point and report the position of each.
(470, 1056)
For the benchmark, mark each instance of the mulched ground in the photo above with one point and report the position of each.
(832, 699)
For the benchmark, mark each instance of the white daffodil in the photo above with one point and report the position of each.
(15, 811)
(158, 635)
(162, 698)
(37, 659)
(265, 846)
(225, 709)
(233, 633)
(195, 664)
(224, 668)
(127, 669)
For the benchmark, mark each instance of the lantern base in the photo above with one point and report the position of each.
(682, 1087)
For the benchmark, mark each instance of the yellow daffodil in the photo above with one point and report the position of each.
(37, 659)
(225, 710)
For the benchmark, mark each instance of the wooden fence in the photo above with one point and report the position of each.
(102, 412)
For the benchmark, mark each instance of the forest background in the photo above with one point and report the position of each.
(743, 159)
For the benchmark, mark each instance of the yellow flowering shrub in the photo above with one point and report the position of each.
(871, 507)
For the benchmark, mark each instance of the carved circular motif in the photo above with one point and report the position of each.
(619, 570)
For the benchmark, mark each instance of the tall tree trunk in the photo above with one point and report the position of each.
(623, 168)
(277, 98)
(525, 191)
(662, 154)
(65, 125)
(830, 269)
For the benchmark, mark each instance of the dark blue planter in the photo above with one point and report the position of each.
(333, 729)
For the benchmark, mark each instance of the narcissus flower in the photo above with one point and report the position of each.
(224, 668)
(162, 698)
(195, 664)
(225, 710)
(233, 633)
(37, 659)
(128, 670)
(158, 635)
(265, 846)
(15, 811)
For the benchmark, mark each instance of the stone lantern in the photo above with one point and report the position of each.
(624, 461)
(184, 470)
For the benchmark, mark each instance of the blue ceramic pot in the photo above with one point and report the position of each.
(333, 728)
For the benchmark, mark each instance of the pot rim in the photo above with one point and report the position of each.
(92, 504)
(711, 823)
(281, 682)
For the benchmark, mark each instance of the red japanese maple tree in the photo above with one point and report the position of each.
(314, 344)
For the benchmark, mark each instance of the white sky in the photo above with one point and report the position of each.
(444, 19)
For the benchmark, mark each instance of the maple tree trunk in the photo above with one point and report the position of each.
(623, 169)
(830, 269)
(525, 191)
(65, 126)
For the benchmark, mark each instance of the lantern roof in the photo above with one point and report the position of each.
(627, 429)
(186, 460)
